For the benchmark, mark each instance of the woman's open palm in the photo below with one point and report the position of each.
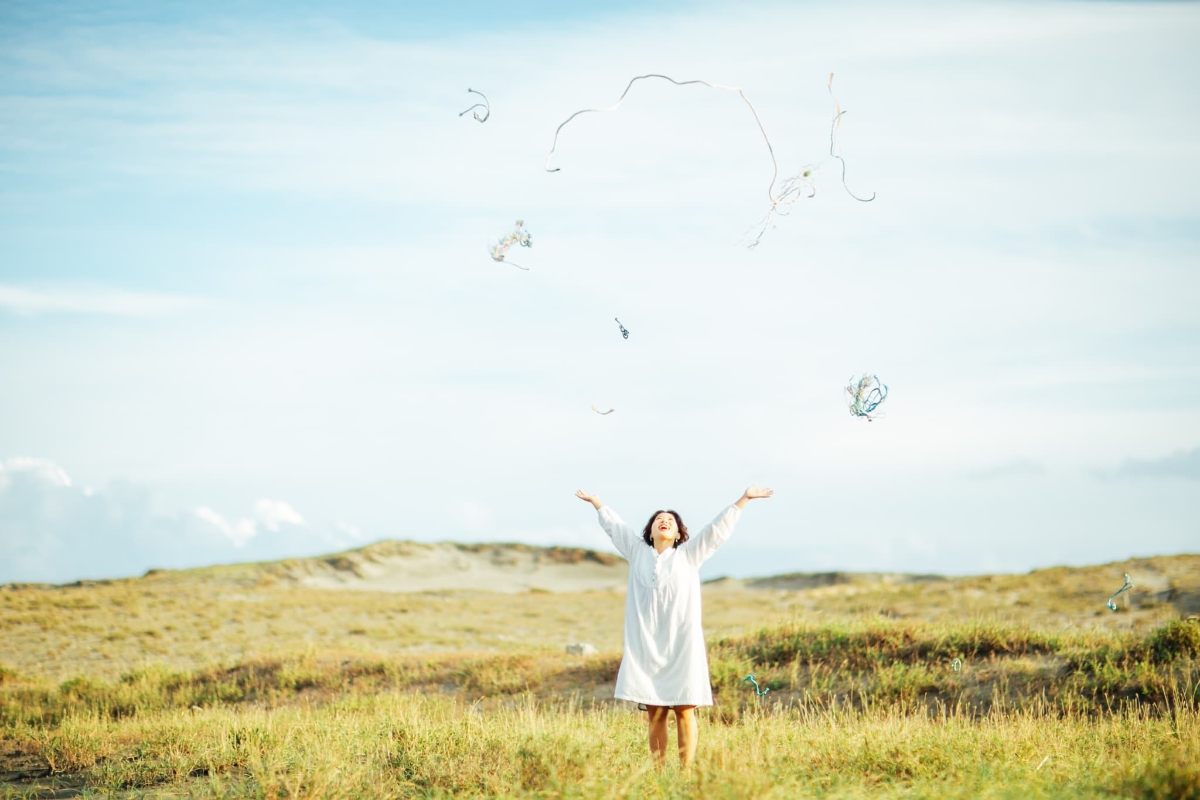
(753, 493)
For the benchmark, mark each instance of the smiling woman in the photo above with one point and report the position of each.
(665, 524)
(664, 664)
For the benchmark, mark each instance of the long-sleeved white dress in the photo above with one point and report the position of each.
(665, 662)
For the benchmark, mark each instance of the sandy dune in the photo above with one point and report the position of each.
(419, 567)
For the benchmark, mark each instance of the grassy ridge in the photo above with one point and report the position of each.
(228, 614)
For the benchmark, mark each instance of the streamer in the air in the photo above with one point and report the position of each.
(774, 165)
(519, 236)
(792, 190)
(624, 333)
(485, 105)
(602, 413)
(802, 185)
(866, 394)
(836, 144)
(1128, 585)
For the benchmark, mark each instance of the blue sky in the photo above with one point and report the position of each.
(246, 308)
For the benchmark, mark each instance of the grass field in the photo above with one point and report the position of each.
(234, 681)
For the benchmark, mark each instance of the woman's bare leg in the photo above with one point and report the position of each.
(685, 727)
(658, 733)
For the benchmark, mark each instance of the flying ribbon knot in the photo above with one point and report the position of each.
(758, 691)
(866, 394)
(1128, 585)
(485, 105)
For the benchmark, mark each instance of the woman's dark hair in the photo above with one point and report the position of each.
(683, 534)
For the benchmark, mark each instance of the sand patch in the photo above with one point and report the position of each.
(504, 568)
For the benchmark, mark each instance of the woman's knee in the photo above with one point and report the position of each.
(656, 713)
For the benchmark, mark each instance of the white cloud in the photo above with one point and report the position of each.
(238, 532)
(38, 469)
(273, 513)
(52, 530)
(1180, 464)
(23, 300)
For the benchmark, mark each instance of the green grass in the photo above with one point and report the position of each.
(229, 682)
(856, 663)
(400, 744)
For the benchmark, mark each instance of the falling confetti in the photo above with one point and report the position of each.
(758, 691)
(865, 395)
(956, 665)
(602, 413)
(485, 105)
(519, 236)
(624, 333)
(1128, 585)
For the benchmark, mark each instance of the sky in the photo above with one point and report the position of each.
(247, 309)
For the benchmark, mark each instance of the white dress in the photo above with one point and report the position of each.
(665, 662)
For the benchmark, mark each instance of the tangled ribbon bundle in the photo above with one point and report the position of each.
(602, 413)
(624, 333)
(865, 395)
(758, 691)
(519, 236)
(1128, 585)
(485, 105)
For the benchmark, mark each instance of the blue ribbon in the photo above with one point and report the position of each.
(1128, 585)
(758, 691)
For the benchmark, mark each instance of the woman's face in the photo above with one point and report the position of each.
(664, 527)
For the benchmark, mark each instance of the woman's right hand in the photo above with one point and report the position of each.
(587, 498)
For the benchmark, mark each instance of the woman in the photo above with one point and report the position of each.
(665, 664)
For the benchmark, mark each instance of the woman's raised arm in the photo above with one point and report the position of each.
(752, 493)
(590, 498)
(623, 536)
(701, 547)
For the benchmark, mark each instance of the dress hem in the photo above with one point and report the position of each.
(661, 703)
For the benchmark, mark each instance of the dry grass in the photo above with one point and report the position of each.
(199, 617)
(395, 744)
(234, 681)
